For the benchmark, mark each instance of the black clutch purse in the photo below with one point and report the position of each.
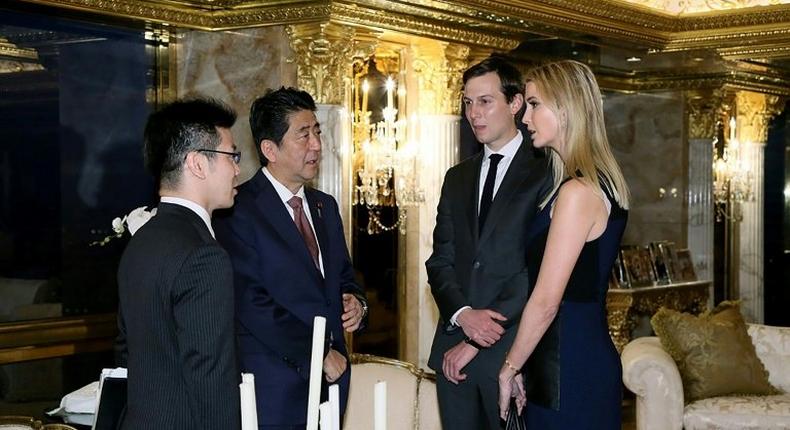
(514, 420)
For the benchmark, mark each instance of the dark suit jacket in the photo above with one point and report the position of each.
(176, 326)
(486, 270)
(279, 291)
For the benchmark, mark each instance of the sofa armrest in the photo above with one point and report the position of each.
(651, 374)
(772, 345)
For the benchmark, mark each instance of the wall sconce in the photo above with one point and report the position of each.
(732, 180)
(662, 192)
(385, 160)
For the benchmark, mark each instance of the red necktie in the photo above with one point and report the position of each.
(303, 225)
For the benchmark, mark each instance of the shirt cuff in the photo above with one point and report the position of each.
(454, 318)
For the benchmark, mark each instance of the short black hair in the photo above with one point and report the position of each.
(269, 115)
(509, 75)
(179, 128)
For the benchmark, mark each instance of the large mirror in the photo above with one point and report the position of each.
(74, 100)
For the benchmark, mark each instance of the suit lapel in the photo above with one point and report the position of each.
(317, 214)
(520, 170)
(473, 199)
(273, 211)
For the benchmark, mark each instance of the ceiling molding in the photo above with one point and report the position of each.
(498, 24)
(734, 76)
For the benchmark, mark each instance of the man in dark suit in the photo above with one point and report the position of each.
(477, 271)
(176, 283)
(290, 263)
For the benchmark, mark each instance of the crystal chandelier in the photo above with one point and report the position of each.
(386, 165)
(732, 179)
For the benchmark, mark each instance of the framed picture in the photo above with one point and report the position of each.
(685, 265)
(638, 266)
(659, 262)
(670, 260)
(619, 276)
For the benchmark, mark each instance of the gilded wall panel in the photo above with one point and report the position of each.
(439, 69)
(647, 137)
(703, 109)
(235, 67)
(754, 112)
(324, 54)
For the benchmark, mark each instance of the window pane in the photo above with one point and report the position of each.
(72, 109)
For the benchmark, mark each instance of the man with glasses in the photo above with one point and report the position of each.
(290, 262)
(175, 282)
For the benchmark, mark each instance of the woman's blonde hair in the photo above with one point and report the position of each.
(570, 90)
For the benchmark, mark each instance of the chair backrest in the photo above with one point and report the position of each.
(772, 344)
(15, 422)
(408, 393)
(429, 405)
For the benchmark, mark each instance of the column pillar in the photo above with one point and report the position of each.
(702, 111)
(434, 71)
(753, 112)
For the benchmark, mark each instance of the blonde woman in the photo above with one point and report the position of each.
(573, 369)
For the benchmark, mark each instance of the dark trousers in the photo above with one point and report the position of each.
(470, 405)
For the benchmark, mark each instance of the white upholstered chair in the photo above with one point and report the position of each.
(411, 395)
(651, 373)
(14, 422)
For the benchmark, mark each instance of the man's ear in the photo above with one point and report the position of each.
(269, 149)
(196, 164)
(516, 103)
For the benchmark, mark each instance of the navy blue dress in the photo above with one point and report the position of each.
(574, 376)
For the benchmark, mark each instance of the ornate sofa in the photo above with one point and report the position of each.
(411, 395)
(651, 373)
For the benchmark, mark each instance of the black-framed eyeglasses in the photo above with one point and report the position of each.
(235, 156)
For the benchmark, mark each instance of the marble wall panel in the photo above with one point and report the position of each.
(646, 132)
(235, 67)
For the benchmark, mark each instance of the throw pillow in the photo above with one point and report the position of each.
(714, 353)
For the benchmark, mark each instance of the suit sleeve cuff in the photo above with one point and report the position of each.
(454, 318)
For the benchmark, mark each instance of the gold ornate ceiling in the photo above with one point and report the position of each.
(684, 7)
(735, 27)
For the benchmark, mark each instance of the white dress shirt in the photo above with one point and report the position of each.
(194, 207)
(507, 152)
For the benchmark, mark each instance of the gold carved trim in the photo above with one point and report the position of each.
(611, 19)
(408, 16)
(754, 112)
(492, 23)
(324, 54)
(703, 108)
(778, 50)
(14, 59)
(625, 305)
(179, 15)
(734, 77)
(438, 72)
(9, 51)
(393, 16)
(680, 7)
